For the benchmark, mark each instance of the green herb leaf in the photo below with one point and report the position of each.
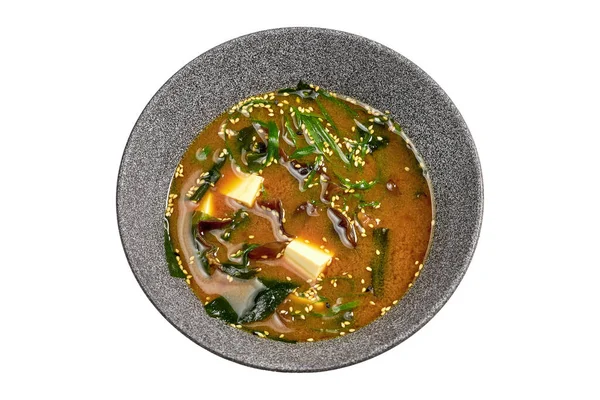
(326, 115)
(339, 103)
(303, 152)
(360, 185)
(291, 134)
(202, 153)
(310, 178)
(273, 142)
(221, 309)
(268, 300)
(364, 204)
(378, 264)
(344, 307)
(319, 135)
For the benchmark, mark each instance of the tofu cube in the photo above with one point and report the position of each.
(206, 205)
(243, 189)
(307, 260)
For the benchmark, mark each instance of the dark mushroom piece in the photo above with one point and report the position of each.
(343, 227)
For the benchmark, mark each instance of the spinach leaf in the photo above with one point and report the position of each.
(221, 309)
(268, 300)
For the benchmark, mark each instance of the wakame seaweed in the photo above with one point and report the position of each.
(221, 309)
(265, 303)
(268, 300)
(172, 263)
(241, 270)
(209, 179)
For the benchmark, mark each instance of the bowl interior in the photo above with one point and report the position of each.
(268, 60)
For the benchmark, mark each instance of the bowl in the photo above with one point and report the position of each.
(268, 60)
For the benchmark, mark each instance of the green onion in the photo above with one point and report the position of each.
(378, 264)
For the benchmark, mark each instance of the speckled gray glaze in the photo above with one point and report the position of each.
(268, 60)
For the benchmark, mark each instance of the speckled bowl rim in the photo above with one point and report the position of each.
(267, 60)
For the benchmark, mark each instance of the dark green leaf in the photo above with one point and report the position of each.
(304, 151)
(364, 204)
(174, 269)
(240, 219)
(302, 90)
(378, 264)
(339, 103)
(202, 153)
(344, 307)
(361, 185)
(268, 300)
(290, 130)
(319, 135)
(212, 176)
(221, 309)
(327, 116)
(310, 178)
(241, 270)
(272, 143)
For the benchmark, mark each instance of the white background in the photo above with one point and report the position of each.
(524, 323)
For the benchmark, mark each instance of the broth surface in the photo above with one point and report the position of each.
(343, 193)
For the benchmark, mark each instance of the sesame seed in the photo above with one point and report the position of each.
(372, 303)
(310, 339)
(369, 269)
(377, 252)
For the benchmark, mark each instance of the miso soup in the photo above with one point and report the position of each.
(299, 215)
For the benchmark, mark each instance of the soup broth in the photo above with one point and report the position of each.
(299, 215)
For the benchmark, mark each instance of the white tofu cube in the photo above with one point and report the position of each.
(307, 260)
(243, 189)
(206, 205)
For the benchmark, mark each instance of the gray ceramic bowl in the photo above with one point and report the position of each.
(269, 60)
